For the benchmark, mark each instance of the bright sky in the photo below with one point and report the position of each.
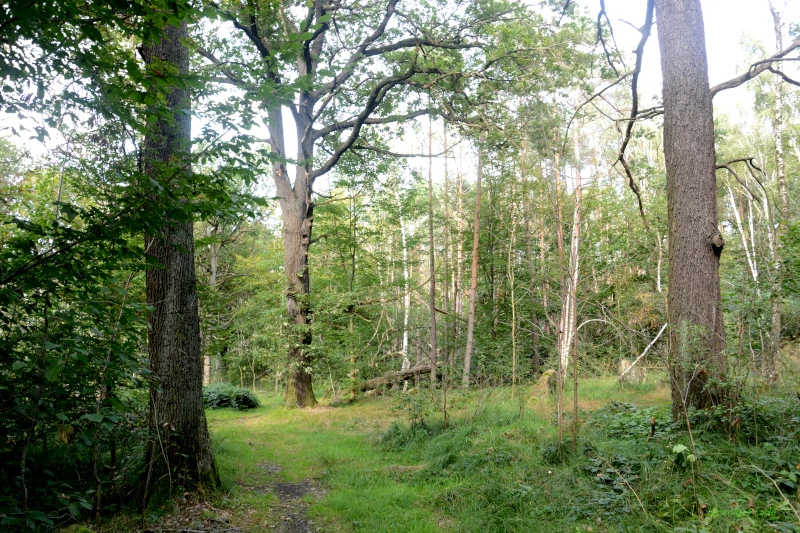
(727, 23)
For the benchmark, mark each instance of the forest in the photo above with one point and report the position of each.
(399, 266)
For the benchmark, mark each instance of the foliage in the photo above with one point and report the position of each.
(221, 395)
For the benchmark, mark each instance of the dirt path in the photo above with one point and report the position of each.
(291, 505)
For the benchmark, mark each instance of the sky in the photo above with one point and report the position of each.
(727, 23)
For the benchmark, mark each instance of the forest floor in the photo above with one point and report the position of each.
(391, 464)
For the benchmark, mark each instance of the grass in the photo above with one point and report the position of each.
(498, 468)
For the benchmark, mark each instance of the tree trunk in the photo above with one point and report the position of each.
(459, 285)
(563, 359)
(297, 225)
(473, 290)
(297, 215)
(448, 245)
(432, 255)
(179, 451)
(406, 285)
(770, 355)
(536, 361)
(696, 335)
(212, 282)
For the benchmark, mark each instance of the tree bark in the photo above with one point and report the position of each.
(473, 290)
(406, 284)
(431, 255)
(696, 335)
(297, 215)
(770, 355)
(179, 452)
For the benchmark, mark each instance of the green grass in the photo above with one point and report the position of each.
(498, 468)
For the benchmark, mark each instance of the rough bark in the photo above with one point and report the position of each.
(179, 450)
(696, 335)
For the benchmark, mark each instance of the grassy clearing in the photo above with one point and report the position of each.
(498, 468)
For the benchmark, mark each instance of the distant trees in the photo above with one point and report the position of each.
(339, 69)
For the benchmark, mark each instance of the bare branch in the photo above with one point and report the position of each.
(600, 16)
(756, 69)
(230, 77)
(251, 30)
(727, 166)
(645, 31)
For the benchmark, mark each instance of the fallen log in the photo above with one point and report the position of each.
(391, 378)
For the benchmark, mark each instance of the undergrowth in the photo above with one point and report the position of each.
(222, 395)
(500, 469)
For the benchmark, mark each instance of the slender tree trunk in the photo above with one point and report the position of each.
(543, 276)
(696, 334)
(563, 358)
(432, 255)
(406, 287)
(536, 361)
(459, 298)
(749, 259)
(179, 450)
(512, 287)
(450, 339)
(770, 355)
(574, 269)
(473, 290)
(212, 282)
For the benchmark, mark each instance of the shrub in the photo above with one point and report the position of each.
(222, 395)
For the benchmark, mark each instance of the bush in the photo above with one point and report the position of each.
(222, 395)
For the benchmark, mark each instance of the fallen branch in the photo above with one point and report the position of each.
(393, 377)
(619, 378)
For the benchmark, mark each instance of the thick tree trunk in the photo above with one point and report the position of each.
(297, 224)
(696, 334)
(179, 451)
(297, 215)
(473, 290)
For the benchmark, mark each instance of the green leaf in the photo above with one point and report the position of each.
(16, 365)
(93, 417)
(53, 371)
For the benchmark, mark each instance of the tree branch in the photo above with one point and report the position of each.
(757, 68)
(375, 98)
(645, 31)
